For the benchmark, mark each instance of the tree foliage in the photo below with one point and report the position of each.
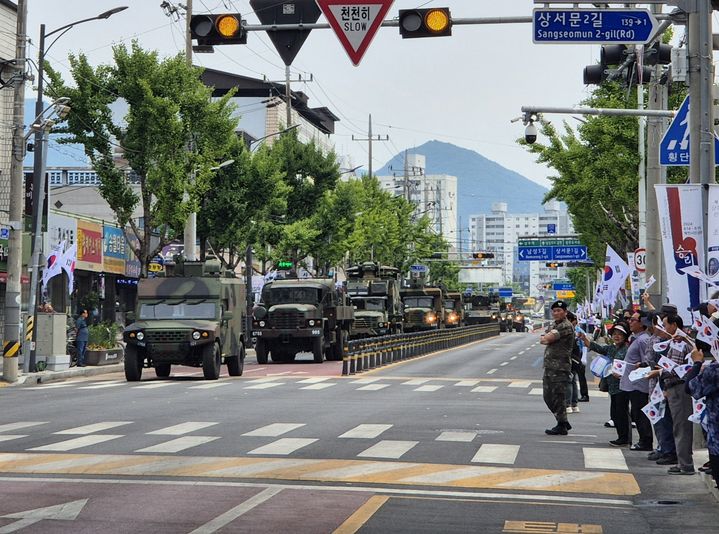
(169, 129)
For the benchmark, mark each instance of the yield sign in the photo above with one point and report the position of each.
(355, 22)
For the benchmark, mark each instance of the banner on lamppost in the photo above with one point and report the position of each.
(713, 233)
(680, 220)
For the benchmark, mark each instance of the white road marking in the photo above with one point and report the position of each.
(595, 458)
(456, 436)
(105, 385)
(522, 352)
(373, 387)
(536, 391)
(491, 371)
(503, 364)
(557, 479)
(428, 388)
(597, 393)
(241, 509)
(261, 467)
(319, 386)
(365, 380)
(363, 469)
(484, 389)
(52, 386)
(315, 380)
(97, 427)
(366, 431)
(455, 475)
(9, 437)
(467, 383)
(274, 430)
(513, 358)
(416, 382)
(520, 384)
(283, 446)
(262, 380)
(492, 453)
(213, 385)
(265, 385)
(76, 443)
(179, 444)
(155, 385)
(182, 428)
(388, 449)
(17, 426)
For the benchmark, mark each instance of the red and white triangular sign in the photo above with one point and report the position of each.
(355, 22)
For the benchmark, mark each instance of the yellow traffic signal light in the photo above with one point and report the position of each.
(210, 30)
(228, 26)
(482, 255)
(432, 22)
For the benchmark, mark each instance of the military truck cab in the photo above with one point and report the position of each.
(422, 309)
(194, 317)
(301, 315)
(374, 292)
(453, 304)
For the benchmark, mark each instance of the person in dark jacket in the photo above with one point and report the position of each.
(82, 335)
(703, 381)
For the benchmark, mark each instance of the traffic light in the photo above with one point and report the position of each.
(615, 55)
(482, 255)
(210, 29)
(554, 265)
(432, 22)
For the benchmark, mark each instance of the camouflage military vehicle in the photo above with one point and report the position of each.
(453, 304)
(422, 308)
(374, 291)
(302, 315)
(483, 309)
(194, 316)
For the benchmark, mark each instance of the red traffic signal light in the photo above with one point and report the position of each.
(482, 255)
(432, 22)
(210, 30)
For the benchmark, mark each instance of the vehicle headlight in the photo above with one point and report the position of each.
(196, 335)
(431, 318)
(262, 324)
(140, 336)
(311, 322)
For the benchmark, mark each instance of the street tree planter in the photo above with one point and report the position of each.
(104, 356)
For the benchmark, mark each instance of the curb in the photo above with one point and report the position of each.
(43, 377)
(709, 481)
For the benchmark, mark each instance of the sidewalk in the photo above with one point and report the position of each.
(31, 379)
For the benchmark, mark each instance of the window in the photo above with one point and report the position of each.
(181, 310)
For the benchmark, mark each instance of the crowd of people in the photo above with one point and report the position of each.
(661, 380)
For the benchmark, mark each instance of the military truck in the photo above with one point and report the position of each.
(453, 304)
(374, 291)
(194, 315)
(422, 308)
(483, 309)
(302, 315)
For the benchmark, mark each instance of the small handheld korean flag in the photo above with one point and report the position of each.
(652, 413)
(619, 367)
(683, 369)
(657, 395)
(699, 410)
(666, 364)
(639, 373)
(661, 346)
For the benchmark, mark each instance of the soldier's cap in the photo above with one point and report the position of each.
(559, 304)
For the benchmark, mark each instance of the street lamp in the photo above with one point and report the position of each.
(272, 135)
(41, 134)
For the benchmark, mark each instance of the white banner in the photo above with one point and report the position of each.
(634, 279)
(680, 220)
(713, 233)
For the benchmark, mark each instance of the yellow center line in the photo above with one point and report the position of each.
(363, 514)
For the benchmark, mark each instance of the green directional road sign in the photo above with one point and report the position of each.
(548, 242)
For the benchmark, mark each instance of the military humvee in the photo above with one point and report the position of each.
(301, 315)
(194, 316)
(374, 291)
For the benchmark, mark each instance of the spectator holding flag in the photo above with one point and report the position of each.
(703, 381)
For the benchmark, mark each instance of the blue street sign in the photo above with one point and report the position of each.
(4, 233)
(563, 286)
(535, 253)
(559, 253)
(551, 228)
(418, 268)
(674, 148)
(573, 253)
(627, 26)
(505, 292)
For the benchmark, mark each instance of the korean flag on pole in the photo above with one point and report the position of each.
(616, 272)
(52, 267)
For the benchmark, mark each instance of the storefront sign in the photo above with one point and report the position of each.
(89, 246)
(113, 252)
(62, 228)
(133, 267)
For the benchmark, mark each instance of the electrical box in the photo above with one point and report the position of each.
(680, 65)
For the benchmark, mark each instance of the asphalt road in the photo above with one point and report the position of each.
(449, 442)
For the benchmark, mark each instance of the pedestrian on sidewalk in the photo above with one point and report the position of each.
(703, 381)
(559, 340)
(82, 335)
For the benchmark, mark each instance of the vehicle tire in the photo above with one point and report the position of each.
(261, 351)
(211, 361)
(162, 370)
(133, 364)
(317, 349)
(236, 364)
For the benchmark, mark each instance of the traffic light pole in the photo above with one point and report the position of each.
(190, 235)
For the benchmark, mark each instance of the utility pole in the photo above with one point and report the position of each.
(288, 96)
(370, 139)
(13, 325)
(190, 237)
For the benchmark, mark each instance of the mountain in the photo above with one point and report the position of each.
(480, 181)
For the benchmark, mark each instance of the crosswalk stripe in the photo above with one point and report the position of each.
(365, 380)
(492, 453)
(366, 431)
(428, 388)
(20, 425)
(263, 380)
(537, 391)
(598, 394)
(155, 385)
(51, 386)
(554, 479)
(456, 436)
(363, 469)
(182, 428)
(372, 387)
(213, 385)
(315, 380)
(77, 443)
(503, 364)
(388, 449)
(520, 384)
(319, 386)
(416, 382)
(467, 383)
(491, 371)
(454, 475)
(484, 389)
(103, 386)
(274, 430)
(96, 427)
(10, 437)
(513, 358)
(179, 444)
(596, 458)
(266, 385)
(283, 446)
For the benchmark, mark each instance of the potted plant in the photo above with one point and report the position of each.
(103, 347)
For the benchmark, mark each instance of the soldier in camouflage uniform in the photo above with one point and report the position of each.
(559, 341)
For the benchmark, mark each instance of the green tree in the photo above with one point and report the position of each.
(171, 129)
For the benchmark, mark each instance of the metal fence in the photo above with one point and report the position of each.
(365, 354)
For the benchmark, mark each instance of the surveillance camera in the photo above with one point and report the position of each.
(530, 134)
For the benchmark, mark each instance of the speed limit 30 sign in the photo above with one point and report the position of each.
(640, 259)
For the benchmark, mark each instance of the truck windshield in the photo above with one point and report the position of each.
(448, 304)
(369, 304)
(181, 310)
(294, 295)
(419, 302)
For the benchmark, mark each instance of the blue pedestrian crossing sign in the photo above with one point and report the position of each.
(674, 148)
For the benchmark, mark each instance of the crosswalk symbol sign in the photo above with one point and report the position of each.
(674, 148)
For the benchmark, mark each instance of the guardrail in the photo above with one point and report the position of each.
(365, 354)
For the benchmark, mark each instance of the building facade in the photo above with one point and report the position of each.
(499, 232)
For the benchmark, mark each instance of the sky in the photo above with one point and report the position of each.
(462, 89)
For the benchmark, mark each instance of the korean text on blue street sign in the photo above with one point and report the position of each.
(627, 26)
